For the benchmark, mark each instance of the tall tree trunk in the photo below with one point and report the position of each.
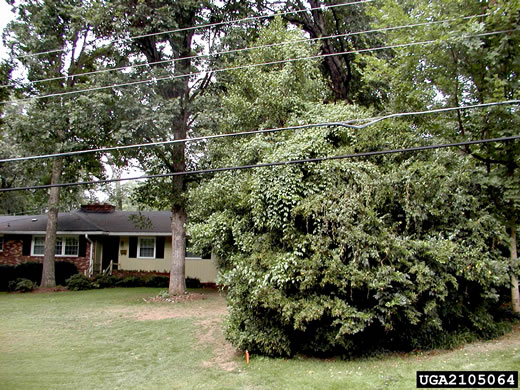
(177, 284)
(48, 273)
(515, 295)
(338, 70)
(178, 162)
(177, 273)
(176, 91)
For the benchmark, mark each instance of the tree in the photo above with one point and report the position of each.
(163, 110)
(122, 195)
(14, 175)
(170, 107)
(475, 62)
(60, 31)
(343, 72)
(348, 256)
(11, 203)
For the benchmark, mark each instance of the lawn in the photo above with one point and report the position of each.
(114, 339)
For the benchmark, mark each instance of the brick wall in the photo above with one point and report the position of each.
(12, 255)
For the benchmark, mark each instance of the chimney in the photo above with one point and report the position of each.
(104, 208)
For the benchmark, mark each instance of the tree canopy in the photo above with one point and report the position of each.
(345, 256)
(404, 250)
(51, 41)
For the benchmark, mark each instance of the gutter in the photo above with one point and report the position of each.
(59, 232)
(90, 263)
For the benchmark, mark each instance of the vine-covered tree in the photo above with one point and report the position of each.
(336, 28)
(342, 71)
(473, 61)
(343, 256)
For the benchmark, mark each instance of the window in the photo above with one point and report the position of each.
(71, 246)
(146, 247)
(59, 246)
(1, 244)
(38, 248)
(65, 246)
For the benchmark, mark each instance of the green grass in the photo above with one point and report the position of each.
(112, 339)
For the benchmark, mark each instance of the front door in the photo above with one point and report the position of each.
(110, 251)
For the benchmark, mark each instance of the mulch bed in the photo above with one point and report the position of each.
(40, 290)
(176, 298)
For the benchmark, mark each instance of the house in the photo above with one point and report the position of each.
(97, 237)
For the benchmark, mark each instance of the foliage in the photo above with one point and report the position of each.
(81, 282)
(130, 281)
(7, 274)
(121, 195)
(103, 281)
(344, 256)
(163, 110)
(51, 117)
(397, 251)
(476, 62)
(33, 272)
(479, 64)
(14, 175)
(159, 281)
(369, 258)
(22, 285)
(143, 281)
(343, 72)
(192, 283)
(30, 270)
(141, 221)
(71, 122)
(65, 269)
(78, 282)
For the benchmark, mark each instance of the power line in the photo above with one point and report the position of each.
(347, 123)
(434, 111)
(238, 67)
(216, 24)
(244, 49)
(272, 164)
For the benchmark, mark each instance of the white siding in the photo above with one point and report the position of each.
(203, 269)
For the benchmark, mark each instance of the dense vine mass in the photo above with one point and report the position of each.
(343, 257)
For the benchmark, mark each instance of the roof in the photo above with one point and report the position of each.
(80, 222)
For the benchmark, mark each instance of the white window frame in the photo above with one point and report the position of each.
(139, 247)
(63, 246)
(32, 245)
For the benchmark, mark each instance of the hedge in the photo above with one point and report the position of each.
(33, 272)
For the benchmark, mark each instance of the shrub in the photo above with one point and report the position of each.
(30, 270)
(78, 282)
(22, 285)
(33, 271)
(157, 281)
(193, 283)
(130, 281)
(7, 274)
(351, 257)
(81, 282)
(64, 270)
(104, 281)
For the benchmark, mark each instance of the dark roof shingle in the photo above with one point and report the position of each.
(103, 223)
